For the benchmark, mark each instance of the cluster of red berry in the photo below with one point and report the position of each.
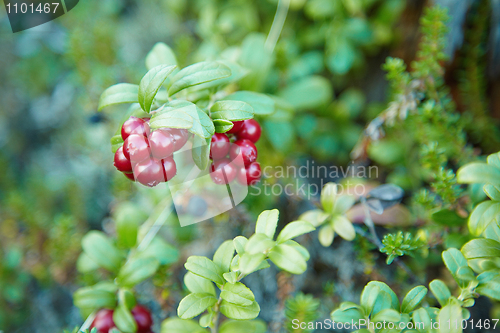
(103, 321)
(242, 153)
(147, 156)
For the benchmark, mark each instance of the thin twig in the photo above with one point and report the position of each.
(277, 26)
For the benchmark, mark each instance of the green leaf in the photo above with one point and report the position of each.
(118, 94)
(281, 134)
(257, 58)
(165, 253)
(239, 244)
(128, 217)
(123, 319)
(249, 263)
(231, 277)
(316, 217)
(329, 196)
(201, 152)
(456, 262)
(102, 251)
(481, 248)
(231, 110)
(260, 103)
(205, 268)
(343, 227)
(450, 313)
(126, 297)
(482, 216)
(160, 54)
(387, 315)
(479, 173)
(288, 258)
(198, 284)
(197, 74)
(206, 320)
(259, 243)
(421, 319)
(96, 297)
(308, 93)
(194, 304)
(440, 291)
(326, 235)
(267, 222)
(346, 316)
(493, 192)
(413, 299)
(222, 126)
(294, 229)
(342, 204)
(447, 217)
(224, 255)
(237, 293)
(377, 285)
(151, 83)
(302, 250)
(137, 270)
(177, 325)
(116, 142)
(253, 326)
(183, 114)
(240, 312)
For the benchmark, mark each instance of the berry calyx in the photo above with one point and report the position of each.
(161, 143)
(180, 136)
(149, 172)
(103, 321)
(136, 148)
(121, 162)
(243, 152)
(134, 125)
(249, 175)
(222, 171)
(219, 146)
(143, 318)
(169, 168)
(236, 127)
(250, 130)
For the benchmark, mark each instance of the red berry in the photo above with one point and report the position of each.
(149, 172)
(250, 174)
(121, 162)
(161, 143)
(219, 148)
(169, 168)
(236, 127)
(103, 321)
(143, 318)
(180, 136)
(130, 176)
(134, 125)
(243, 152)
(222, 171)
(136, 148)
(250, 130)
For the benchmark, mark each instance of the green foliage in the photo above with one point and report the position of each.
(302, 307)
(397, 245)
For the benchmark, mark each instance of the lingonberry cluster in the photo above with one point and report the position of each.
(103, 321)
(147, 156)
(234, 154)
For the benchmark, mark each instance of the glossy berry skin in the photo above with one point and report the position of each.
(250, 174)
(169, 168)
(219, 147)
(244, 148)
(143, 318)
(180, 136)
(136, 148)
(130, 176)
(121, 162)
(103, 321)
(149, 172)
(222, 171)
(134, 125)
(161, 143)
(250, 130)
(236, 127)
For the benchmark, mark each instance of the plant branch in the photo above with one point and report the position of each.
(277, 26)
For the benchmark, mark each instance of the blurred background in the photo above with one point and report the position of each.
(57, 180)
